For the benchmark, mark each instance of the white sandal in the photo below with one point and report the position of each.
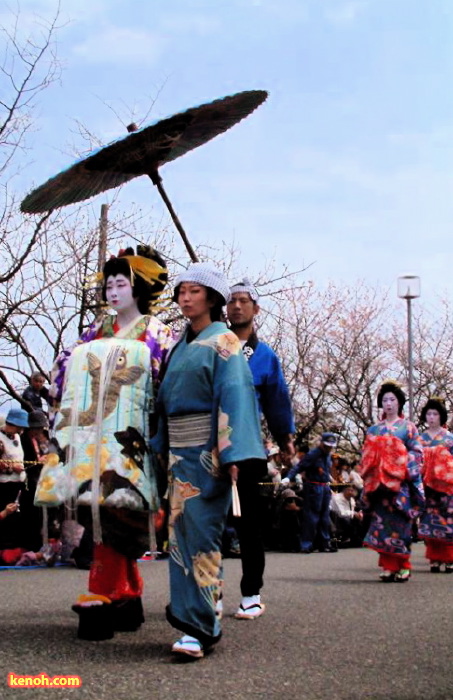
(250, 613)
(189, 646)
(403, 575)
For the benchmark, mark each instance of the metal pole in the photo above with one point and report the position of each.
(410, 359)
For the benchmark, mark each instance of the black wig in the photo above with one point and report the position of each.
(142, 291)
(434, 404)
(395, 389)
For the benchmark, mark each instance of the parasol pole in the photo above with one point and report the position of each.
(157, 180)
(102, 246)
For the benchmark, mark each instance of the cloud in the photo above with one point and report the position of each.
(122, 45)
(200, 25)
(346, 13)
(29, 20)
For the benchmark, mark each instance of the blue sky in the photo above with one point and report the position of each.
(348, 165)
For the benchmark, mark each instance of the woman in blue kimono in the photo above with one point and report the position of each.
(393, 490)
(209, 425)
(436, 523)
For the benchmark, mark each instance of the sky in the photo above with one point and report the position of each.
(347, 167)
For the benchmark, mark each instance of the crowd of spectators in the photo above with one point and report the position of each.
(282, 505)
(25, 442)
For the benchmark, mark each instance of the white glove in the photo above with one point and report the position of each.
(285, 481)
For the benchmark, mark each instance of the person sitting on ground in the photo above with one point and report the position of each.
(36, 392)
(288, 520)
(347, 520)
(18, 555)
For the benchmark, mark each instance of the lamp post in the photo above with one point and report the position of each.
(409, 288)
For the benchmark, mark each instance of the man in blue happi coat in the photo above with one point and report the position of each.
(275, 405)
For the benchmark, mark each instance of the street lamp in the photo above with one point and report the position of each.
(409, 288)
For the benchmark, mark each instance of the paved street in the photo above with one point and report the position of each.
(331, 630)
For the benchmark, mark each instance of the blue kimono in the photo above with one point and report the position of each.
(390, 530)
(209, 421)
(436, 522)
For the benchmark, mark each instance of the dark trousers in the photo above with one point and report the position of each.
(316, 516)
(11, 528)
(250, 526)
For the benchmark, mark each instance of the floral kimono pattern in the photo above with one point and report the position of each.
(436, 522)
(209, 420)
(102, 399)
(393, 509)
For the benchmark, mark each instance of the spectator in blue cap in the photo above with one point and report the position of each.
(17, 418)
(11, 452)
(315, 469)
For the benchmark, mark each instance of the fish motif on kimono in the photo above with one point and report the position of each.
(121, 376)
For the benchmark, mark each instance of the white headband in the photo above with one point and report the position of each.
(206, 275)
(247, 287)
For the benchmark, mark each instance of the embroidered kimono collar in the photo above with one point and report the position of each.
(135, 331)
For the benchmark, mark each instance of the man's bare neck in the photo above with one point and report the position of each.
(243, 332)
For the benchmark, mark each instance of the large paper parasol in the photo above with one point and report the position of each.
(143, 152)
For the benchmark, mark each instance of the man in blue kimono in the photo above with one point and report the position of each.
(315, 468)
(275, 405)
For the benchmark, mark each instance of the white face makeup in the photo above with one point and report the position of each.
(118, 292)
(432, 418)
(390, 405)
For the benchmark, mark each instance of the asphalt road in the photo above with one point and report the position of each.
(331, 630)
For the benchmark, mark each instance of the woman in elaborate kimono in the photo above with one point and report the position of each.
(393, 490)
(436, 523)
(209, 425)
(103, 400)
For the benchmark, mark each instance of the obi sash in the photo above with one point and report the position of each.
(437, 471)
(384, 463)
